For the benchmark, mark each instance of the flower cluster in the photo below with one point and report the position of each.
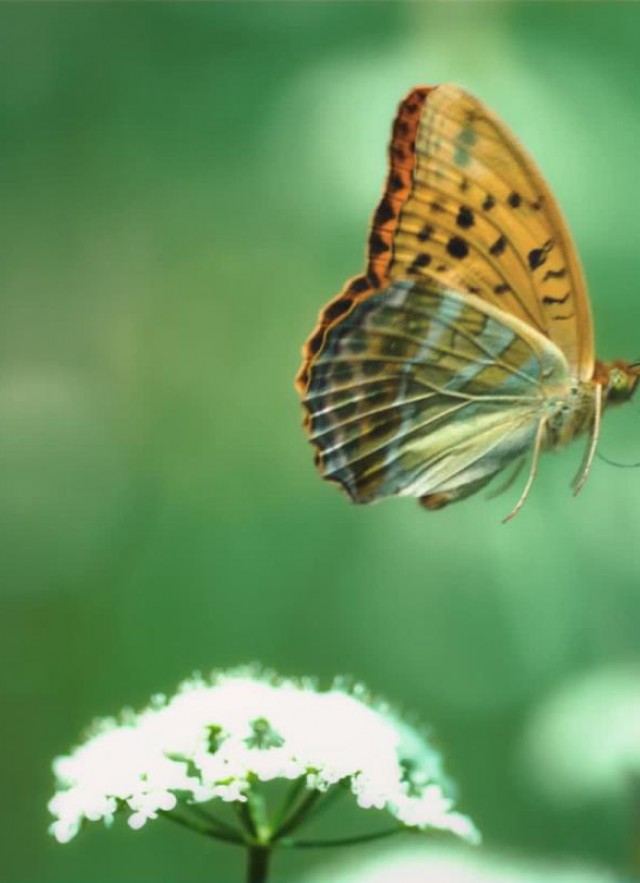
(218, 737)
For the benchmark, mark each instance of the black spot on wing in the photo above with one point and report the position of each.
(359, 285)
(377, 245)
(465, 217)
(419, 262)
(498, 246)
(488, 203)
(556, 300)
(426, 233)
(384, 212)
(514, 199)
(537, 256)
(457, 247)
(337, 308)
(555, 274)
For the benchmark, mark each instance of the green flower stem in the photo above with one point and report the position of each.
(258, 864)
(213, 822)
(178, 820)
(342, 841)
(298, 787)
(299, 814)
(242, 811)
(328, 799)
(208, 830)
(259, 818)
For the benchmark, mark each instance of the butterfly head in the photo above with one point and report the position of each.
(621, 380)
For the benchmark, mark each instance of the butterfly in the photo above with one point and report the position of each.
(467, 345)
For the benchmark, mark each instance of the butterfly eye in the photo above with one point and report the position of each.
(618, 380)
(621, 385)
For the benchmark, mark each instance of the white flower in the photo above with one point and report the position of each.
(442, 865)
(216, 737)
(583, 742)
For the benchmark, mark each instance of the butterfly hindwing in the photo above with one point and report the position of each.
(421, 390)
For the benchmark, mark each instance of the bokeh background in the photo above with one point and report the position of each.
(183, 186)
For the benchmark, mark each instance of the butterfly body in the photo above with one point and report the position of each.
(468, 342)
(574, 415)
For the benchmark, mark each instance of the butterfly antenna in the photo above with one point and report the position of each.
(615, 463)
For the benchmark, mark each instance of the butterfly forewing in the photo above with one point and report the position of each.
(480, 218)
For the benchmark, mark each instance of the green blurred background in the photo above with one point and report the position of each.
(183, 187)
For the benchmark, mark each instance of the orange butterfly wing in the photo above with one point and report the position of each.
(465, 206)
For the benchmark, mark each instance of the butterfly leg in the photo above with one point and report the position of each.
(532, 473)
(583, 472)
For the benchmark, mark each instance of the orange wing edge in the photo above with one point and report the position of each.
(382, 230)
